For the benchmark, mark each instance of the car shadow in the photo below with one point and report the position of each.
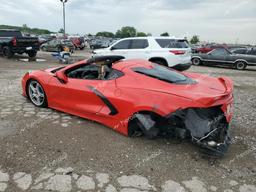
(227, 67)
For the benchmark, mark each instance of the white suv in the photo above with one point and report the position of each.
(168, 51)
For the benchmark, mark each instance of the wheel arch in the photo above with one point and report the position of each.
(241, 60)
(35, 79)
(27, 84)
(132, 128)
(198, 57)
(152, 59)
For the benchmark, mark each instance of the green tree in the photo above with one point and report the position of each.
(61, 30)
(126, 32)
(194, 39)
(165, 34)
(25, 28)
(105, 34)
(141, 34)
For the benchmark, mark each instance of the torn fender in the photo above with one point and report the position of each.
(207, 127)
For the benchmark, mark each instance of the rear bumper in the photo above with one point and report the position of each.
(206, 127)
(25, 49)
(219, 150)
(182, 67)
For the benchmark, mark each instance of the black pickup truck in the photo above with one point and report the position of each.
(12, 41)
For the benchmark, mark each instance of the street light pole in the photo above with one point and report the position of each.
(64, 16)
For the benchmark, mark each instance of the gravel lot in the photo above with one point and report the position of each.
(46, 150)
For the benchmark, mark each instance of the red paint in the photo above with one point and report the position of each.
(14, 41)
(131, 93)
(208, 48)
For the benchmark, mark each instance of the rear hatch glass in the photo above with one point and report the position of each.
(10, 34)
(173, 43)
(164, 74)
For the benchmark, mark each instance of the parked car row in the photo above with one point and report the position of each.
(58, 45)
(101, 43)
(168, 51)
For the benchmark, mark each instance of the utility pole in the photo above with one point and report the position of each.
(64, 16)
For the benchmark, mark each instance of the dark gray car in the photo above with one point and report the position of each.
(58, 45)
(245, 51)
(222, 56)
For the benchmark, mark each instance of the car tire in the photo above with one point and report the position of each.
(81, 48)
(7, 52)
(196, 61)
(36, 93)
(32, 54)
(240, 65)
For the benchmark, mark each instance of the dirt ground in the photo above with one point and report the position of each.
(46, 150)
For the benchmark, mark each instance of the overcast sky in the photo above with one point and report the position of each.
(213, 20)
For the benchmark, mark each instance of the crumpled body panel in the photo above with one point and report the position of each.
(206, 127)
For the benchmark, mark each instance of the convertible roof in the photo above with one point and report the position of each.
(126, 64)
(105, 60)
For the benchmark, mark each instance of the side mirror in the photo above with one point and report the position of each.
(61, 77)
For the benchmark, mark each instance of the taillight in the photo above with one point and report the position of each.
(14, 41)
(177, 52)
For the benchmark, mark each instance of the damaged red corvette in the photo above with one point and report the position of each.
(137, 97)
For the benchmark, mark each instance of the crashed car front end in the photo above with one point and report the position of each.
(206, 127)
(205, 122)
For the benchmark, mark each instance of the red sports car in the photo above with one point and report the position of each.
(137, 97)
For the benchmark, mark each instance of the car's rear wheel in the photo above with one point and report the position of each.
(196, 61)
(240, 65)
(144, 123)
(7, 52)
(36, 94)
(32, 54)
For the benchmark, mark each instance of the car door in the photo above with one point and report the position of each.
(51, 45)
(137, 49)
(120, 48)
(217, 56)
(77, 96)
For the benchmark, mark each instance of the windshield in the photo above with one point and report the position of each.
(164, 74)
(10, 34)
